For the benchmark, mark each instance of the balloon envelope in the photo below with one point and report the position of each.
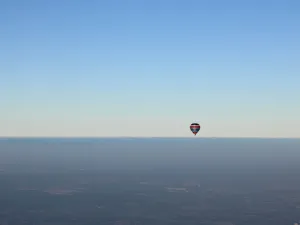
(195, 127)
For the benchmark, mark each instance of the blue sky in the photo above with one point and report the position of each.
(150, 68)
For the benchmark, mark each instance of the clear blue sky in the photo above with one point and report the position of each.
(150, 68)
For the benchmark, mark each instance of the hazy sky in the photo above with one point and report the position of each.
(149, 68)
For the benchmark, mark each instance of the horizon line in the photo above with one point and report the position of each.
(139, 137)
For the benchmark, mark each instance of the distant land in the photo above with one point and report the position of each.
(134, 181)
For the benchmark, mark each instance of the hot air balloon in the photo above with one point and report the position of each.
(195, 127)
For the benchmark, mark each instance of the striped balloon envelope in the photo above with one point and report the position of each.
(195, 127)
